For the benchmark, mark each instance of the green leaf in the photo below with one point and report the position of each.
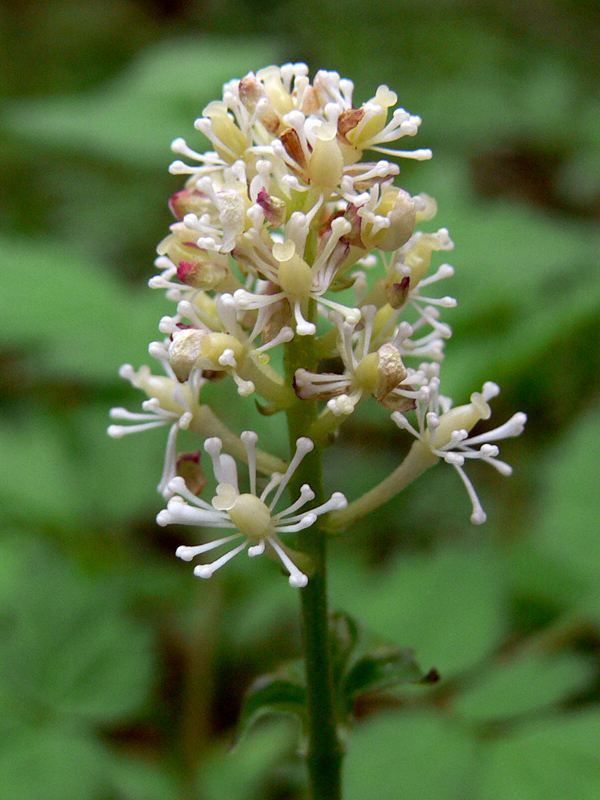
(343, 636)
(448, 606)
(134, 119)
(524, 684)
(523, 282)
(67, 471)
(140, 780)
(69, 646)
(415, 757)
(567, 526)
(273, 694)
(76, 319)
(246, 773)
(382, 669)
(556, 758)
(52, 763)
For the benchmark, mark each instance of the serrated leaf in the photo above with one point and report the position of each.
(523, 685)
(447, 606)
(555, 758)
(272, 694)
(407, 756)
(378, 670)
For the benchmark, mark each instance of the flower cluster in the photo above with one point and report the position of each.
(285, 230)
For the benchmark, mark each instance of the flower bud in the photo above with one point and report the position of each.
(460, 418)
(295, 276)
(326, 162)
(418, 257)
(376, 112)
(251, 90)
(214, 345)
(226, 131)
(273, 207)
(278, 95)
(399, 208)
(202, 274)
(397, 293)
(188, 202)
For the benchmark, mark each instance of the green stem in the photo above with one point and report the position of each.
(324, 756)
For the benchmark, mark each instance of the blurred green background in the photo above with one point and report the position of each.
(121, 676)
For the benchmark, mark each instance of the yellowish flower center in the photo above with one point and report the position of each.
(367, 373)
(252, 517)
(295, 276)
(461, 418)
(213, 346)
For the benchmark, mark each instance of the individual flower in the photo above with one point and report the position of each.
(379, 373)
(297, 282)
(169, 403)
(443, 433)
(251, 515)
(217, 342)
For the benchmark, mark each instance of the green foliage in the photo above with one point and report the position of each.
(119, 675)
(155, 101)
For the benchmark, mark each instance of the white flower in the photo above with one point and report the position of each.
(298, 282)
(443, 432)
(170, 403)
(379, 372)
(250, 514)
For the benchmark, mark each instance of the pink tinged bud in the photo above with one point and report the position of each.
(188, 467)
(184, 351)
(186, 202)
(251, 90)
(397, 293)
(274, 208)
(202, 274)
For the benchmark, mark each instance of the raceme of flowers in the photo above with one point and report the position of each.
(292, 226)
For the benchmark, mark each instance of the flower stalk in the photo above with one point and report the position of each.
(325, 751)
